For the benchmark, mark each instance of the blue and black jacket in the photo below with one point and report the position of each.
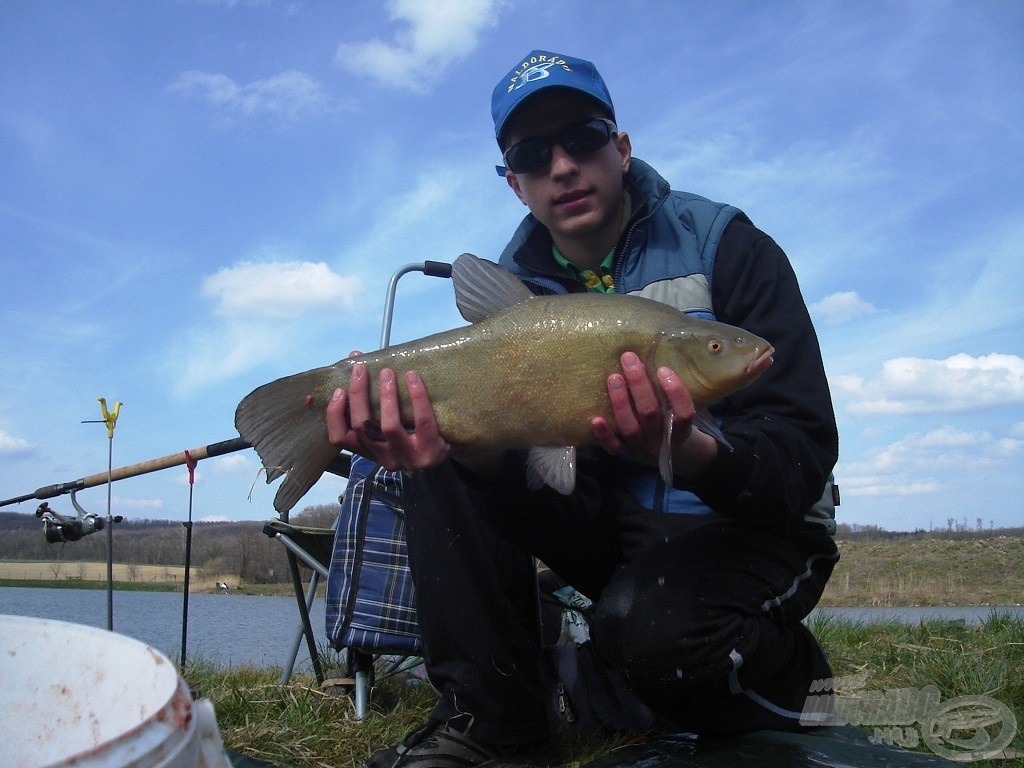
(709, 260)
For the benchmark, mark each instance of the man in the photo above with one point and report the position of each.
(699, 588)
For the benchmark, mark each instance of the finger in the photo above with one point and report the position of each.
(334, 416)
(677, 396)
(622, 406)
(359, 410)
(641, 390)
(605, 435)
(428, 448)
(390, 407)
(424, 421)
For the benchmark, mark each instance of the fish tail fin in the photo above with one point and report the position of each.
(287, 430)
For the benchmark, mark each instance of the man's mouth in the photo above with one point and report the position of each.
(571, 197)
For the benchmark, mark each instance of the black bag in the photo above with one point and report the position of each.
(586, 695)
(588, 698)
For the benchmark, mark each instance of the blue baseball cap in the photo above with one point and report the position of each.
(540, 70)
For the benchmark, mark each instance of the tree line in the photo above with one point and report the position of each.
(219, 550)
(241, 549)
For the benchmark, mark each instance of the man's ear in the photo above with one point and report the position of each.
(513, 182)
(625, 148)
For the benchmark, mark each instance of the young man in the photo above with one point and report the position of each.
(700, 587)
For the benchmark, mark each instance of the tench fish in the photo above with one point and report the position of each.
(529, 372)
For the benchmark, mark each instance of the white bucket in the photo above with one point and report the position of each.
(78, 696)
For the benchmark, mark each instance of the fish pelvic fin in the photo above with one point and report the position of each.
(665, 453)
(707, 424)
(483, 287)
(551, 465)
(287, 430)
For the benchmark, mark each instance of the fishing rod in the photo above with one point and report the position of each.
(340, 466)
(132, 470)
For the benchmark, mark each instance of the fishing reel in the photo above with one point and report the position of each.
(58, 528)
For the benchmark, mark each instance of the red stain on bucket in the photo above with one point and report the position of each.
(122, 703)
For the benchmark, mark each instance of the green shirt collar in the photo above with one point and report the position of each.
(600, 281)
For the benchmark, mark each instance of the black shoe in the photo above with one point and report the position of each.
(441, 745)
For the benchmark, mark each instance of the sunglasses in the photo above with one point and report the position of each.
(534, 152)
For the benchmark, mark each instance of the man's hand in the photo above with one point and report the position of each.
(640, 423)
(351, 425)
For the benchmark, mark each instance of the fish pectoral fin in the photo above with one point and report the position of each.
(552, 465)
(706, 423)
(483, 288)
(665, 455)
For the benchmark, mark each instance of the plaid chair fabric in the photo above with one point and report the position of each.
(371, 604)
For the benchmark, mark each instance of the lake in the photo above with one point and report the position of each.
(224, 628)
(244, 629)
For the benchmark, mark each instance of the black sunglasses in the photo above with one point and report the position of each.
(534, 152)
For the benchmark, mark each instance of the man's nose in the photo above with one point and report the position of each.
(562, 163)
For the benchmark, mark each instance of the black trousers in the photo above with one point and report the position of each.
(701, 614)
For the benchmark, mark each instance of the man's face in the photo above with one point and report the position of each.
(579, 199)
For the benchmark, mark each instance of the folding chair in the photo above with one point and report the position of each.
(313, 549)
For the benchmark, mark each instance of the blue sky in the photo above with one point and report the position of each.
(199, 197)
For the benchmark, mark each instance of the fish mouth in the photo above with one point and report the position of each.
(761, 361)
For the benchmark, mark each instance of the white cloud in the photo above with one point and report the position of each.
(120, 504)
(181, 476)
(864, 486)
(290, 94)
(842, 307)
(232, 465)
(279, 289)
(218, 354)
(922, 463)
(12, 447)
(433, 36)
(958, 383)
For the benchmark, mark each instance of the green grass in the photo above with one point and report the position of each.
(959, 659)
(120, 586)
(297, 725)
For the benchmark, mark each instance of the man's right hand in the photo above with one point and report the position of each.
(352, 426)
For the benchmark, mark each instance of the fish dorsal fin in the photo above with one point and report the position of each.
(483, 288)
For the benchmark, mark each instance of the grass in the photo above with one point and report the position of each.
(927, 571)
(298, 725)
(125, 586)
(959, 659)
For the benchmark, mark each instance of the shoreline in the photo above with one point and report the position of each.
(286, 590)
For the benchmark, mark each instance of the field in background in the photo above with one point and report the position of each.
(928, 571)
(72, 572)
(907, 571)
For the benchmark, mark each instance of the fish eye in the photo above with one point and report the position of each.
(714, 346)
